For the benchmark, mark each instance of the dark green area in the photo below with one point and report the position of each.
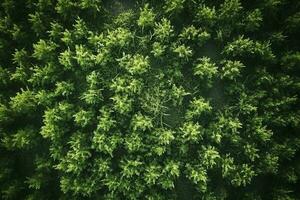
(150, 99)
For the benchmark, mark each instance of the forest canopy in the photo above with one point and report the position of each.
(150, 99)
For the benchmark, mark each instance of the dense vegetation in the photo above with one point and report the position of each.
(173, 99)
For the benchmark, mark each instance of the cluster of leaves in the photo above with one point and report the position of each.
(173, 99)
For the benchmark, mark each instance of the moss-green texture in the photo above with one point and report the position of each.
(150, 99)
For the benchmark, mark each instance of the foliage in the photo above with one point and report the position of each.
(156, 100)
